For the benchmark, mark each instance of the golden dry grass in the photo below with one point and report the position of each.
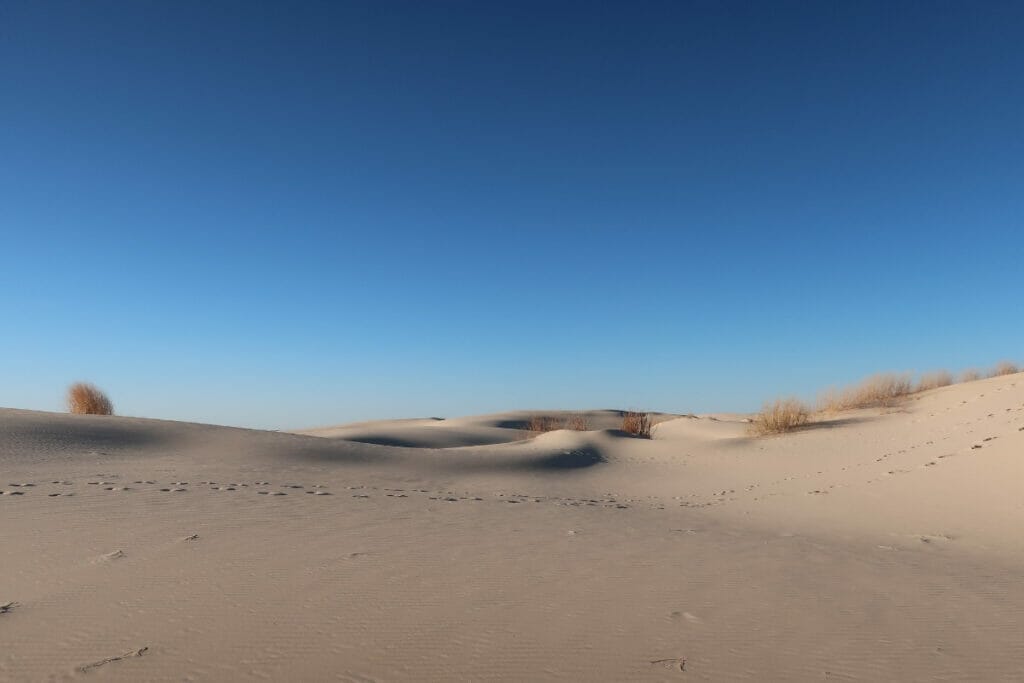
(779, 416)
(934, 380)
(539, 424)
(970, 375)
(637, 424)
(86, 399)
(1004, 368)
(876, 391)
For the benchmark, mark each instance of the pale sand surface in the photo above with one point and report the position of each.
(878, 545)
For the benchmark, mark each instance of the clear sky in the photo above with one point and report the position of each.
(291, 214)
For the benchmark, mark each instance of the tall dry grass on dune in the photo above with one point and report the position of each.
(540, 424)
(934, 380)
(877, 391)
(779, 416)
(577, 423)
(87, 399)
(637, 424)
(970, 375)
(1004, 368)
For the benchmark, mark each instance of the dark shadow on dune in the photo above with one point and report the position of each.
(451, 441)
(511, 424)
(836, 422)
(66, 434)
(573, 460)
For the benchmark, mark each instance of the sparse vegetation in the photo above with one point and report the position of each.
(780, 415)
(876, 391)
(577, 422)
(539, 424)
(970, 375)
(934, 380)
(1004, 368)
(86, 399)
(637, 424)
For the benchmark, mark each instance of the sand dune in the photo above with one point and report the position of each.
(873, 545)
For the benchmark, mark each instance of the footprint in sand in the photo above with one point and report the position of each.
(110, 557)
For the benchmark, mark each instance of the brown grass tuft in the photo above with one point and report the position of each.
(577, 422)
(875, 391)
(934, 380)
(970, 376)
(637, 424)
(86, 399)
(780, 415)
(1004, 368)
(539, 424)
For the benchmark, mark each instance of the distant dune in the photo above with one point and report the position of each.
(874, 544)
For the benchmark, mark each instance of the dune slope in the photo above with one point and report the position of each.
(876, 545)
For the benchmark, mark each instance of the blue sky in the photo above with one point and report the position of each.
(289, 214)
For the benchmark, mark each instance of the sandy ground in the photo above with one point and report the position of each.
(876, 545)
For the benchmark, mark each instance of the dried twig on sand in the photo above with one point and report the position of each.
(681, 661)
(108, 660)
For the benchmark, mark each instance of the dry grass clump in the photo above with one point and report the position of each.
(780, 415)
(637, 424)
(538, 424)
(577, 422)
(875, 391)
(970, 375)
(934, 380)
(1004, 368)
(86, 399)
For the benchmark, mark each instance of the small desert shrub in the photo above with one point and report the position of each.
(637, 424)
(875, 391)
(934, 380)
(577, 423)
(970, 376)
(1004, 368)
(780, 415)
(86, 399)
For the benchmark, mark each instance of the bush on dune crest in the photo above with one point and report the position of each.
(577, 422)
(970, 376)
(934, 380)
(86, 399)
(637, 424)
(539, 424)
(780, 415)
(1004, 368)
(874, 392)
